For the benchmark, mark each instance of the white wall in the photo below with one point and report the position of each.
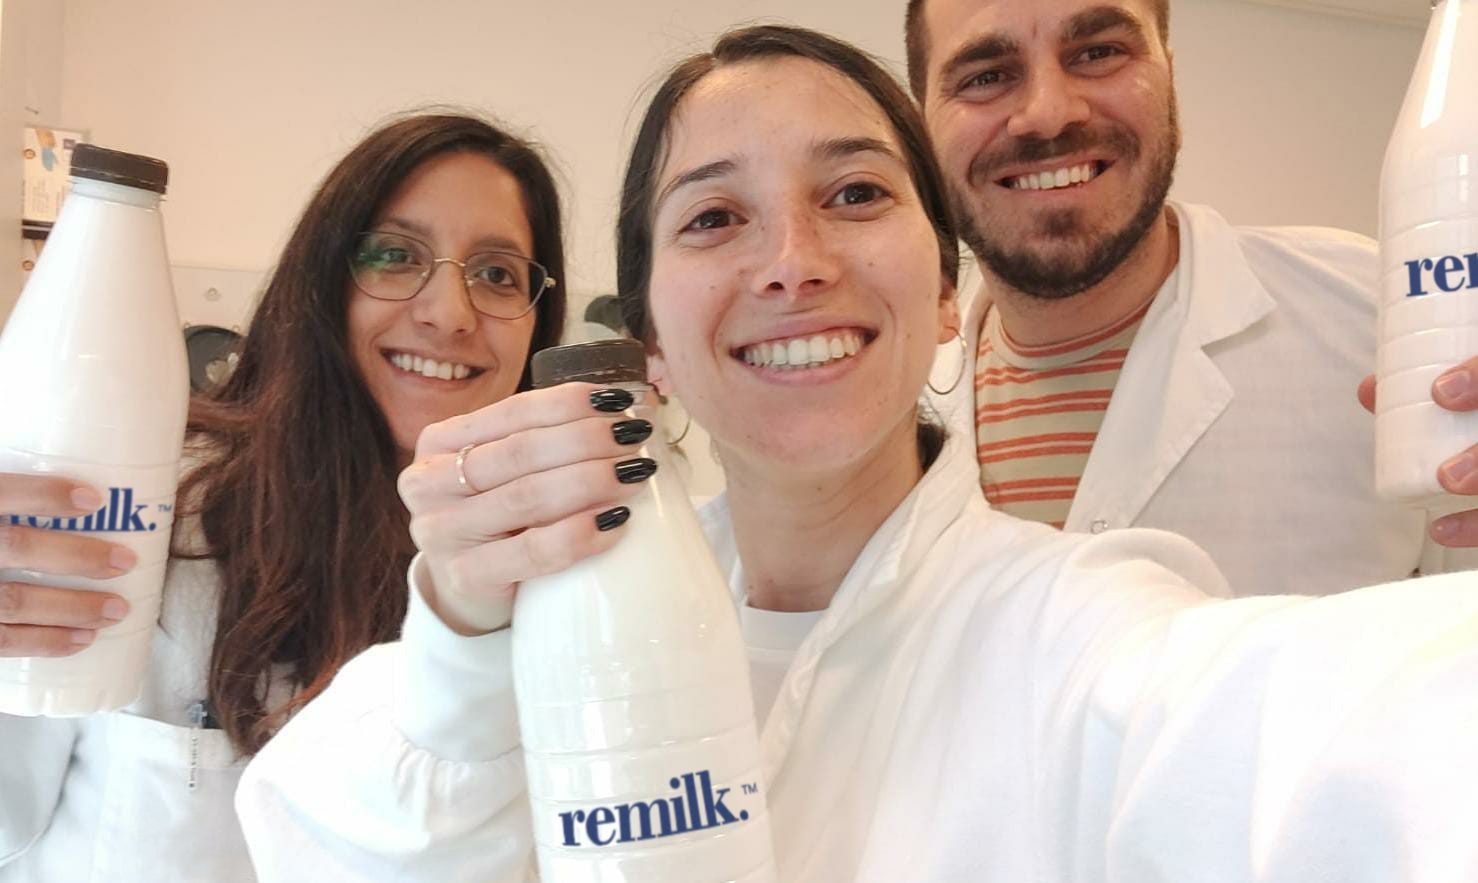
(31, 40)
(1286, 112)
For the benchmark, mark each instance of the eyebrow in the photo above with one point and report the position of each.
(987, 48)
(705, 172)
(486, 243)
(841, 148)
(1091, 22)
(829, 149)
(1085, 24)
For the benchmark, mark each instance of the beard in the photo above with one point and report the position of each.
(1062, 257)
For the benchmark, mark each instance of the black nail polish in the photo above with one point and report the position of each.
(612, 518)
(633, 471)
(611, 400)
(631, 432)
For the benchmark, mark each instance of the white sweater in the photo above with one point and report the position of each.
(985, 700)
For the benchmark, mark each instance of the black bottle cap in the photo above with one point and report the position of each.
(116, 167)
(620, 360)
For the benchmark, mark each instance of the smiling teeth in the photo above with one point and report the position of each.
(430, 367)
(803, 352)
(1053, 180)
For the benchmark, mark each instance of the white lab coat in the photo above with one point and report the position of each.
(136, 795)
(985, 700)
(1235, 423)
(110, 797)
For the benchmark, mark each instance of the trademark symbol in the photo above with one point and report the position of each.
(751, 789)
(166, 508)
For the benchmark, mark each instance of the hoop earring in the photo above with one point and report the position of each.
(687, 425)
(666, 401)
(964, 360)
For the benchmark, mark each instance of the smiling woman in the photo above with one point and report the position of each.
(431, 343)
(291, 544)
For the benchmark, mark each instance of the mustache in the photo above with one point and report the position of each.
(1078, 138)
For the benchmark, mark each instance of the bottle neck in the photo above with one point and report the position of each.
(111, 192)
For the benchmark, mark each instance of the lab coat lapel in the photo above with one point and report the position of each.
(1170, 391)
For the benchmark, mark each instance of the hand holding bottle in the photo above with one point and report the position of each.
(1455, 390)
(524, 487)
(40, 620)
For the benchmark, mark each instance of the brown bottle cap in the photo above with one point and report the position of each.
(621, 360)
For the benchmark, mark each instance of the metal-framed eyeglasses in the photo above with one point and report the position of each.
(500, 284)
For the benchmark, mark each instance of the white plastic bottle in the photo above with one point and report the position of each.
(1429, 259)
(633, 689)
(94, 386)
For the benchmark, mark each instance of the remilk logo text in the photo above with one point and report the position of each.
(697, 806)
(1444, 274)
(120, 514)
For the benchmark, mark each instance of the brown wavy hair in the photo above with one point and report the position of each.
(295, 487)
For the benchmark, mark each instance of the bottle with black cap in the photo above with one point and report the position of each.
(632, 680)
(94, 386)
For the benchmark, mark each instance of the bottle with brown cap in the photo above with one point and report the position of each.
(633, 690)
(94, 386)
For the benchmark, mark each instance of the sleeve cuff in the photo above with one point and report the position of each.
(457, 699)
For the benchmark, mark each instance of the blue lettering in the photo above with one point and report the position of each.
(1446, 266)
(644, 818)
(601, 816)
(570, 819)
(718, 814)
(1447, 274)
(1414, 274)
(697, 806)
(119, 514)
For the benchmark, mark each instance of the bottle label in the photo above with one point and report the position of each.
(125, 511)
(1443, 274)
(697, 806)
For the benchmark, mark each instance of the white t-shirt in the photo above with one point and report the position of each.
(772, 639)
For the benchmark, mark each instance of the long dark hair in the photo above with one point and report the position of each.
(634, 226)
(295, 487)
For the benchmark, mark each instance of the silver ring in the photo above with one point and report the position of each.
(462, 469)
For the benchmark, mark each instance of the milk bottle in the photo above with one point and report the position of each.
(633, 689)
(95, 386)
(1429, 259)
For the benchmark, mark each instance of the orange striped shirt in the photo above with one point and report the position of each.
(1038, 411)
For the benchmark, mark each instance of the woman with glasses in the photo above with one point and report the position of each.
(418, 281)
(945, 693)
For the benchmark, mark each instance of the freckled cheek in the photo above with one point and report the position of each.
(685, 307)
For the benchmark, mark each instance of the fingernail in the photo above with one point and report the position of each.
(122, 558)
(633, 471)
(631, 432)
(1454, 385)
(82, 637)
(1444, 529)
(1457, 469)
(87, 499)
(115, 609)
(612, 518)
(611, 400)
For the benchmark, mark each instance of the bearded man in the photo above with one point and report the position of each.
(1141, 362)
